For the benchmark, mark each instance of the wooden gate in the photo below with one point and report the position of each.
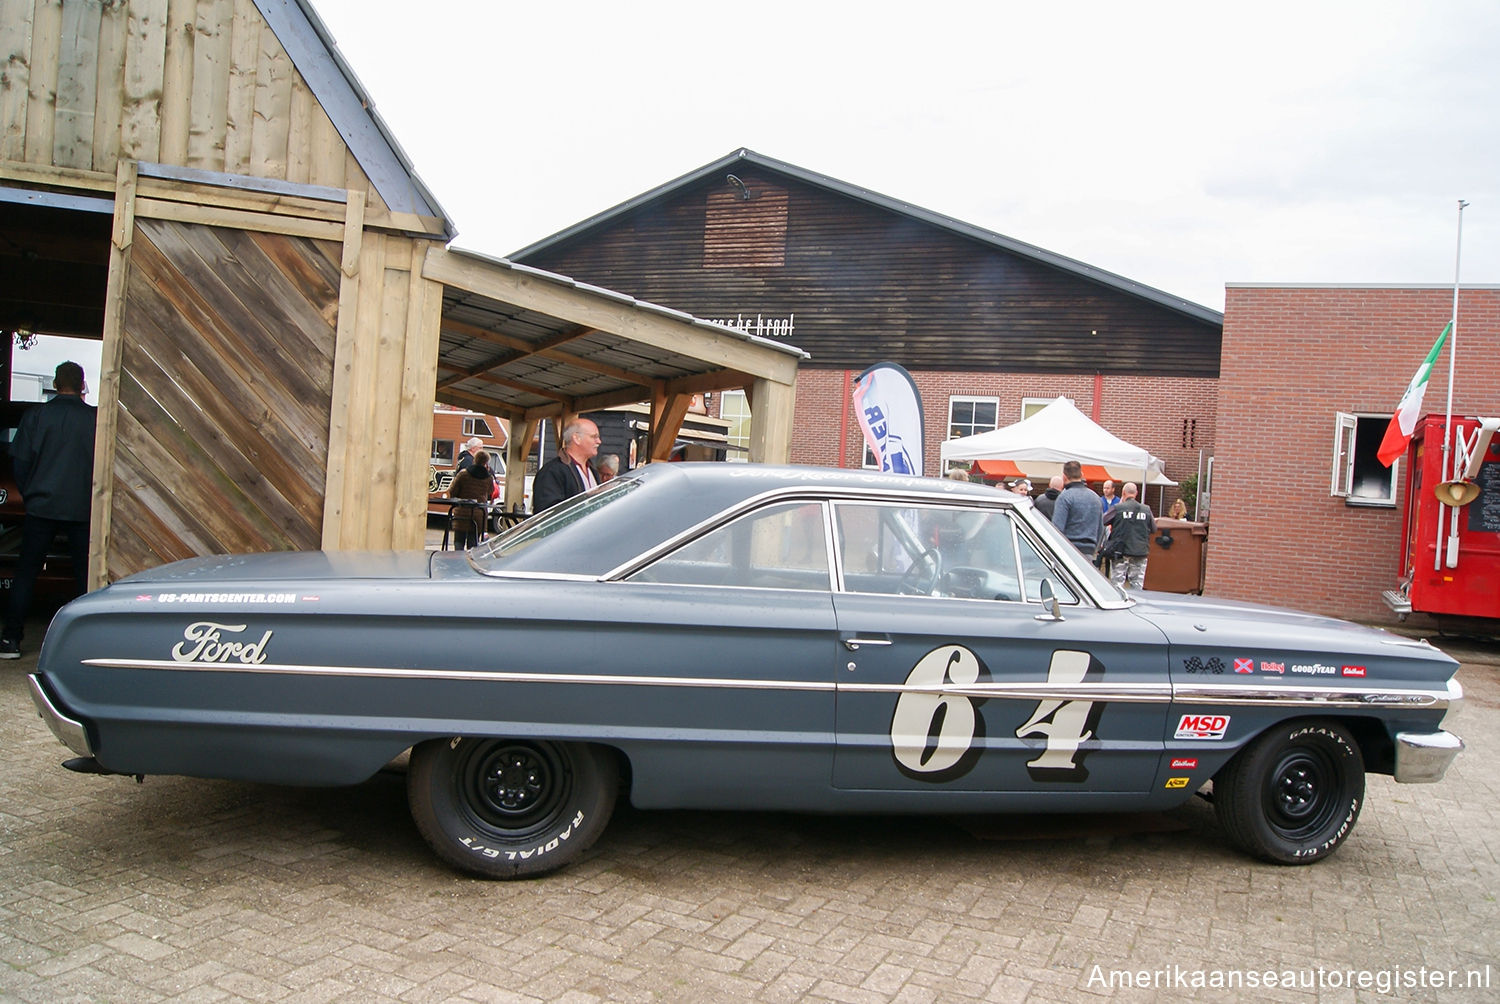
(225, 386)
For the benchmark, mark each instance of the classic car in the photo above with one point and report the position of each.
(735, 636)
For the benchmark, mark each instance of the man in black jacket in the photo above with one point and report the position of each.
(1131, 526)
(1047, 500)
(53, 456)
(568, 473)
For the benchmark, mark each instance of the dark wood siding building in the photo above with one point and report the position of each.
(855, 278)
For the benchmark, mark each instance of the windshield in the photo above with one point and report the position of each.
(543, 525)
(1080, 566)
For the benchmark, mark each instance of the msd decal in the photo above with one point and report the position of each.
(1202, 727)
(1354, 671)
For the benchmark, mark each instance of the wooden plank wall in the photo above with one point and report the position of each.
(221, 410)
(191, 83)
(864, 284)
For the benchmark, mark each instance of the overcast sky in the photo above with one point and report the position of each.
(1179, 144)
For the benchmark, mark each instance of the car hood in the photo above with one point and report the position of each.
(1197, 621)
(289, 565)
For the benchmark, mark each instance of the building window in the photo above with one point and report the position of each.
(734, 408)
(1031, 405)
(970, 415)
(442, 452)
(477, 427)
(1359, 477)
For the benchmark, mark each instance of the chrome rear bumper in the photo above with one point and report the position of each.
(68, 732)
(1423, 757)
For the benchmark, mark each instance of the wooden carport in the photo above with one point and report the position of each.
(527, 345)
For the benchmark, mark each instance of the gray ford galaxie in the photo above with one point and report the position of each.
(732, 636)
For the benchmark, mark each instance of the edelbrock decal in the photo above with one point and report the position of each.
(204, 641)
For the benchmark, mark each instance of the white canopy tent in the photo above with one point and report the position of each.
(1038, 446)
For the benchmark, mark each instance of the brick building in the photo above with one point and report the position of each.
(1310, 373)
(988, 326)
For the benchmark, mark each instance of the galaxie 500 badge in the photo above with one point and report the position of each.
(207, 641)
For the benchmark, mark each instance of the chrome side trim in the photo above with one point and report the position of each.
(1423, 757)
(68, 732)
(474, 676)
(1035, 690)
(1235, 695)
(1322, 697)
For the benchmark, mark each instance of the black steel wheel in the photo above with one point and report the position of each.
(1294, 794)
(510, 808)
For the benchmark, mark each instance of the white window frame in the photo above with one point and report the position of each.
(1346, 454)
(971, 399)
(738, 434)
(1031, 405)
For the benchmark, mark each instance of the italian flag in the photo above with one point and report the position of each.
(1398, 433)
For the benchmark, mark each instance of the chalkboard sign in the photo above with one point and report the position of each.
(1484, 511)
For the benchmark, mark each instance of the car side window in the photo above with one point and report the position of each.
(1036, 569)
(779, 547)
(932, 551)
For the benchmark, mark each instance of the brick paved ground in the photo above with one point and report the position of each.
(204, 890)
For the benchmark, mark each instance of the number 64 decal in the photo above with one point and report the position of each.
(934, 735)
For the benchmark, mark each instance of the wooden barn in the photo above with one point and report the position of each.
(989, 326)
(204, 185)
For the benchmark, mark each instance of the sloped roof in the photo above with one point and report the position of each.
(348, 106)
(864, 195)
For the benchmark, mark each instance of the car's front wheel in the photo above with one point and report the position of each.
(1293, 795)
(510, 808)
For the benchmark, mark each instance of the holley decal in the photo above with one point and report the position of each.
(204, 642)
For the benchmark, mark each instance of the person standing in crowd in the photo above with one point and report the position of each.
(1021, 487)
(957, 474)
(474, 482)
(1178, 510)
(609, 467)
(466, 458)
(1046, 502)
(1130, 528)
(1078, 512)
(53, 456)
(1108, 500)
(568, 473)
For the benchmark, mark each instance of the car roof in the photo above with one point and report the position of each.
(662, 500)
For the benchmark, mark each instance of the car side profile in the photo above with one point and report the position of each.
(735, 636)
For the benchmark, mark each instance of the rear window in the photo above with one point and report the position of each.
(544, 525)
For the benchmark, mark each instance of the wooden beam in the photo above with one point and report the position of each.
(503, 382)
(548, 349)
(346, 334)
(113, 350)
(605, 313)
(666, 421)
(213, 216)
(517, 448)
(771, 421)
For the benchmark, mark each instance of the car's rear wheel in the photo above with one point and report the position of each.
(1293, 795)
(510, 808)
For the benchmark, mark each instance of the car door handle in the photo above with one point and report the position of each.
(853, 644)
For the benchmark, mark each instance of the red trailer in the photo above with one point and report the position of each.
(1450, 551)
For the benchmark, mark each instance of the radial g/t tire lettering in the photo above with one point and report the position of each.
(510, 808)
(1294, 794)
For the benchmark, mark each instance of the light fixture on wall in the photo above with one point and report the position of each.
(739, 186)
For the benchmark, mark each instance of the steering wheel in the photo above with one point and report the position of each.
(923, 575)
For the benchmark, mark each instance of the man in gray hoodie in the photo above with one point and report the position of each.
(1079, 512)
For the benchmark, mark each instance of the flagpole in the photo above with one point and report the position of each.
(1448, 473)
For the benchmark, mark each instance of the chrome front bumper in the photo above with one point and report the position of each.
(1423, 757)
(68, 732)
